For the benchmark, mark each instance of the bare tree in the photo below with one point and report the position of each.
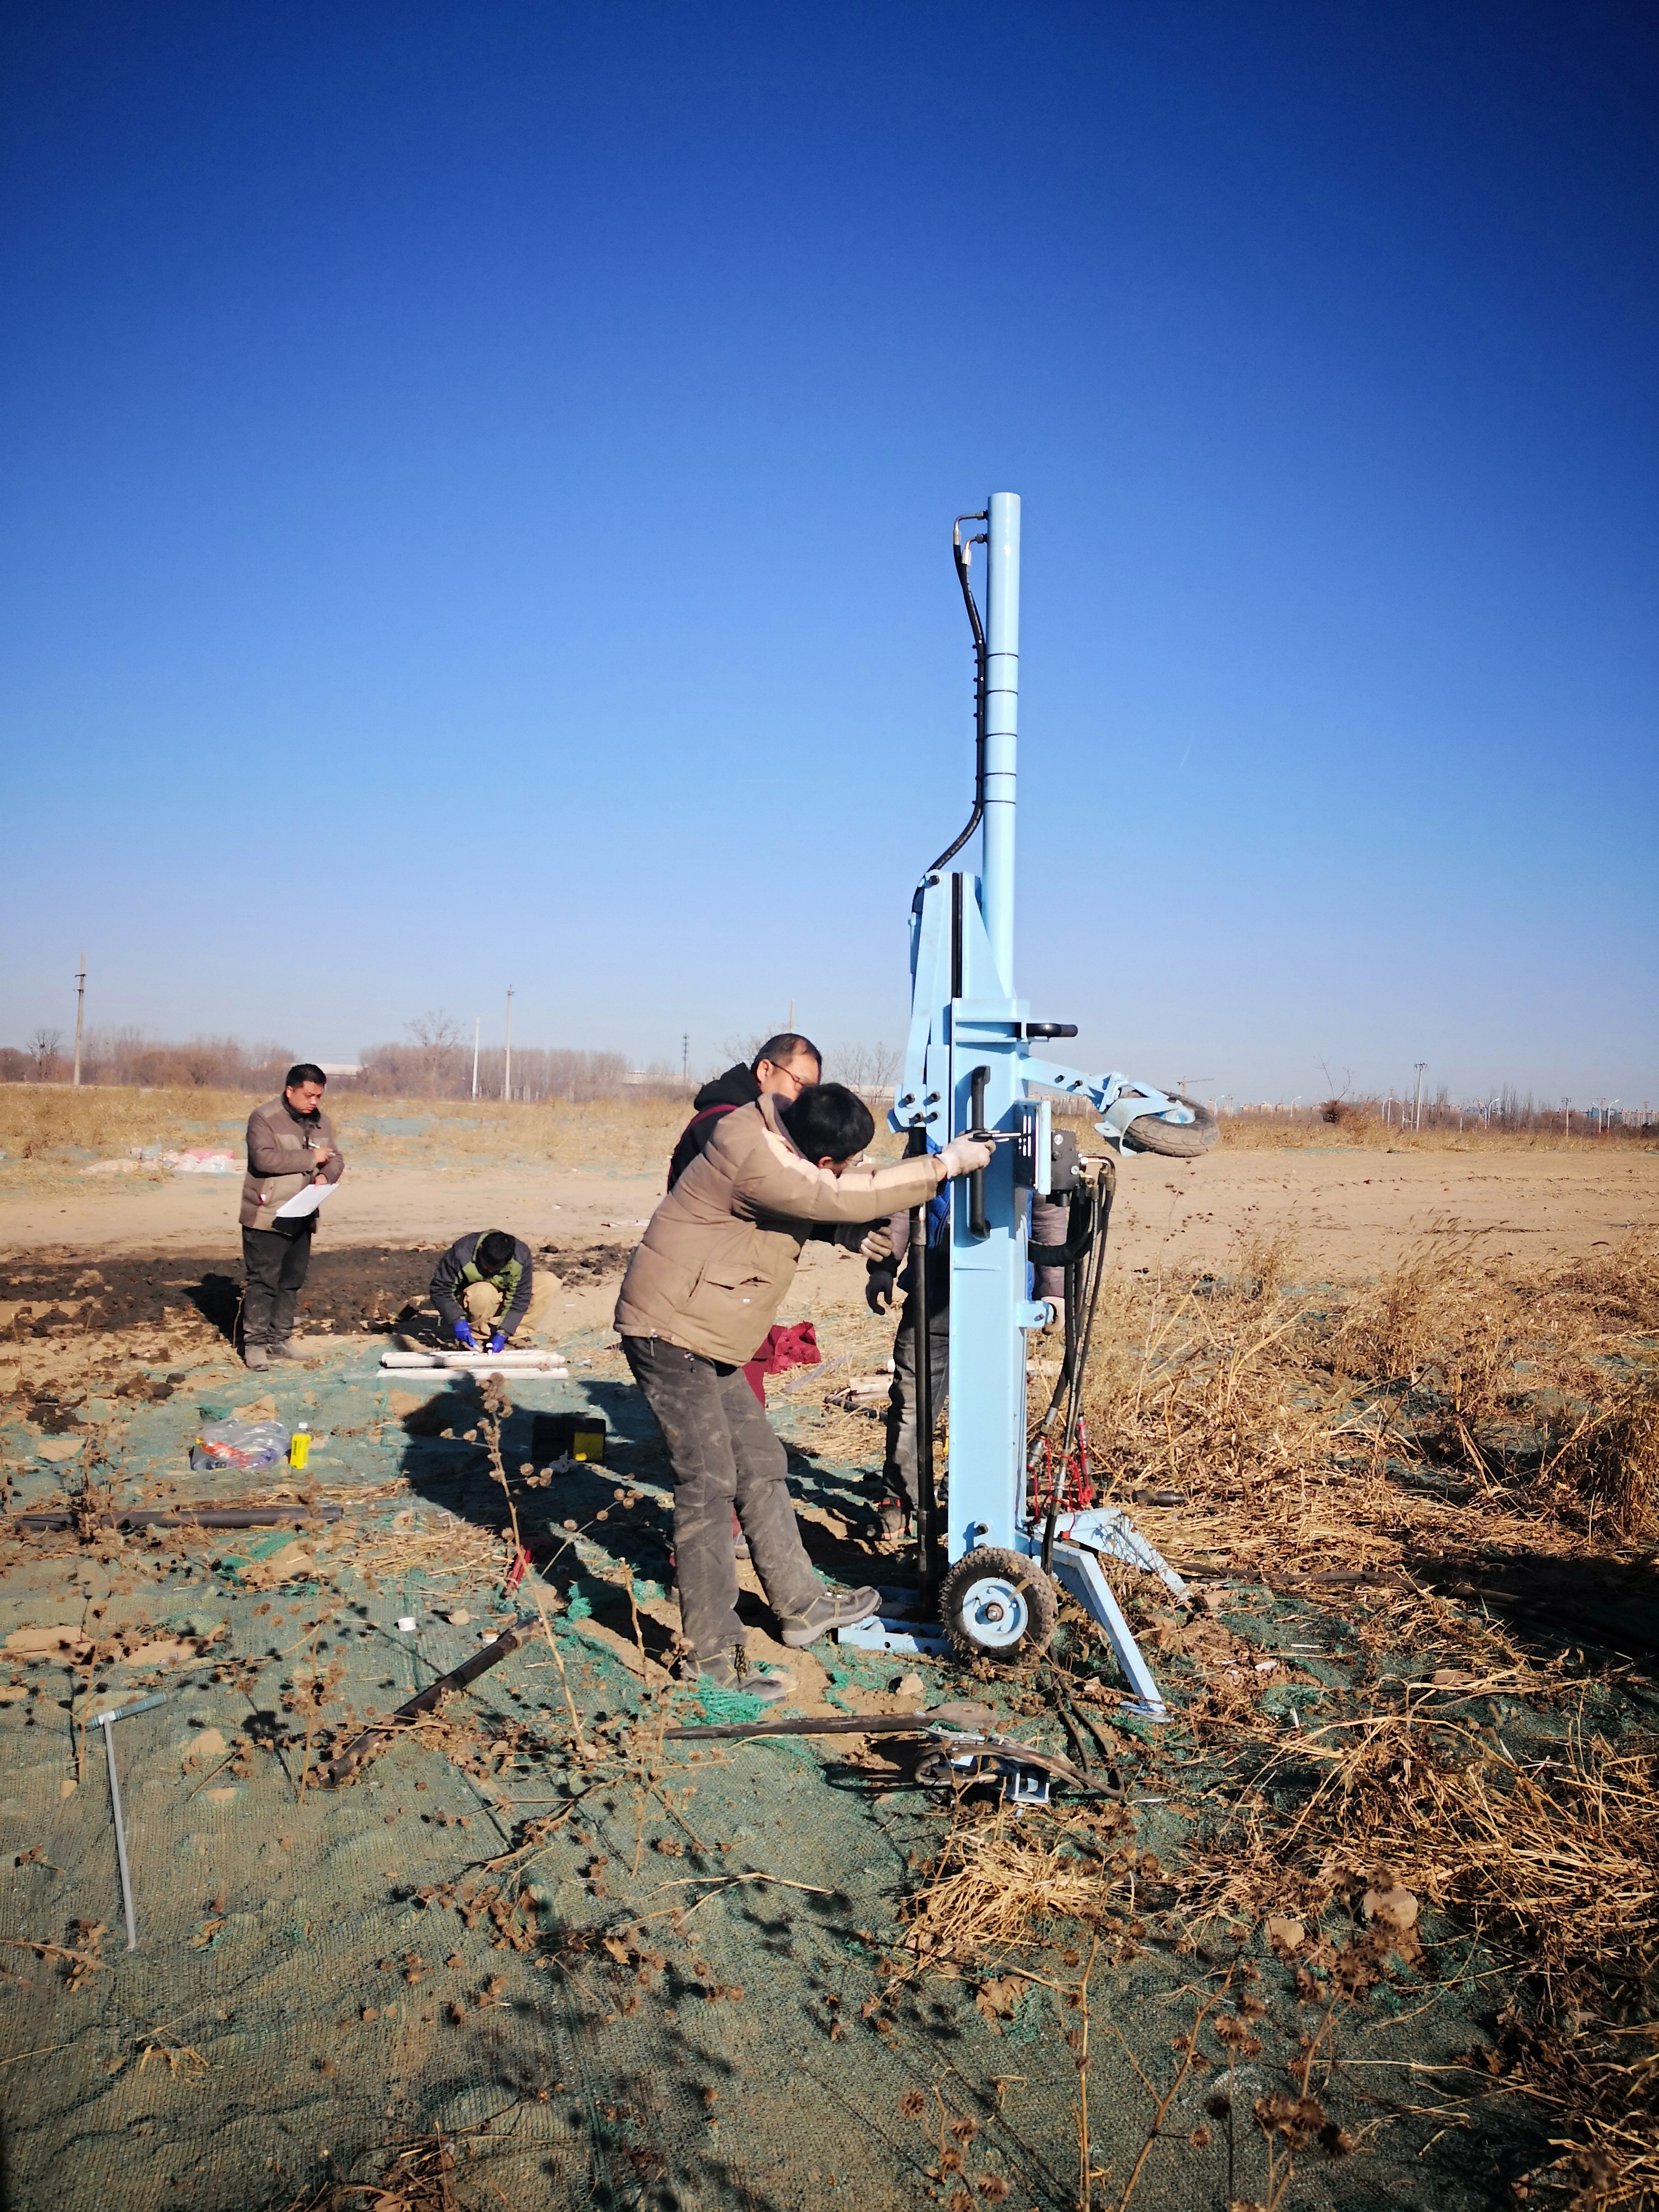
(863, 1066)
(439, 1039)
(44, 1047)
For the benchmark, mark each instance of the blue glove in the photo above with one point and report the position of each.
(498, 1342)
(464, 1335)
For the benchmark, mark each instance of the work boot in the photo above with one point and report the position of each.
(721, 1673)
(255, 1357)
(830, 1609)
(285, 1350)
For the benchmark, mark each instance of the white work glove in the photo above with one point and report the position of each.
(962, 1155)
(878, 1244)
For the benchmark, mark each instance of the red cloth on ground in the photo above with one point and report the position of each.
(794, 1347)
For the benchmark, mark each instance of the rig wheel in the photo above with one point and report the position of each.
(1176, 1140)
(999, 1605)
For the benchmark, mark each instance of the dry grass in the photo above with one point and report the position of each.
(1302, 1424)
(41, 1123)
(1369, 1133)
(1284, 1410)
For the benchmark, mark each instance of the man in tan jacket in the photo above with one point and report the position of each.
(290, 1151)
(700, 1294)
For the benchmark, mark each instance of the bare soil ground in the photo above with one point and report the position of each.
(1374, 1918)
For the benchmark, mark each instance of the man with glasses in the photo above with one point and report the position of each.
(785, 1065)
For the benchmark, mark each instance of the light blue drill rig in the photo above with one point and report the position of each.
(1019, 1519)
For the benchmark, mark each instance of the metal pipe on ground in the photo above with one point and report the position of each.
(374, 1740)
(193, 1517)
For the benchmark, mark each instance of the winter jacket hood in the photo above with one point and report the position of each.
(737, 1087)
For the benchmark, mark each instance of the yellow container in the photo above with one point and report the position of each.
(299, 1446)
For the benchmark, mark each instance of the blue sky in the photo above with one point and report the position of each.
(477, 487)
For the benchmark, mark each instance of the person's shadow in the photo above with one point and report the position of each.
(564, 1512)
(218, 1299)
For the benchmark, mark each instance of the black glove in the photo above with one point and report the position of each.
(878, 1287)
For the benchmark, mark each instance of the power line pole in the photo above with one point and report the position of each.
(80, 1015)
(1419, 1064)
(506, 1061)
(477, 1023)
(685, 1057)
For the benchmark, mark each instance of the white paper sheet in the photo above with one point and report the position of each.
(305, 1201)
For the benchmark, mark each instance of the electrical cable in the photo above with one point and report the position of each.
(978, 814)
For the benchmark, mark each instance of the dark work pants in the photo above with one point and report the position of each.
(276, 1265)
(901, 1464)
(725, 1455)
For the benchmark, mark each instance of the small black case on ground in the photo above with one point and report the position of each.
(568, 1436)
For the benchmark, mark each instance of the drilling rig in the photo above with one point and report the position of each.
(1019, 1522)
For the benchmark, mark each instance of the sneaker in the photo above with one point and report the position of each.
(255, 1357)
(830, 1609)
(721, 1673)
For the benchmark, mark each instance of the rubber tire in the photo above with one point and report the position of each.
(1041, 1604)
(1176, 1140)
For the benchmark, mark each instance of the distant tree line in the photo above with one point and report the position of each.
(128, 1056)
(434, 1060)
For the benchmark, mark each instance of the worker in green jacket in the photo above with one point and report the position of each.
(486, 1285)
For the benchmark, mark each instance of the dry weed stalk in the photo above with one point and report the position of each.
(496, 1407)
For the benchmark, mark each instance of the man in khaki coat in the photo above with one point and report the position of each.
(701, 1292)
(290, 1150)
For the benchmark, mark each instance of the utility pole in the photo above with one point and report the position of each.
(507, 1059)
(80, 1015)
(685, 1058)
(1419, 1064)
(477, 1023)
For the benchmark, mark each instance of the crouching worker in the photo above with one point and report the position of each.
(701, 1292)
(486, 1285)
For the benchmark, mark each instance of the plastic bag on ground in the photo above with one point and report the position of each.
(249, 1445)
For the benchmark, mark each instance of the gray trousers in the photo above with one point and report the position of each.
(274, 1264)
(900, 1469)
(724, 1454)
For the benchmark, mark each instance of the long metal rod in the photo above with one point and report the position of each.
(108, 1723)
(921, 1323)
(1001, 726)
(376, 1739)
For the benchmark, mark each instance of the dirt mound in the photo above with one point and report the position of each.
(351, 1289)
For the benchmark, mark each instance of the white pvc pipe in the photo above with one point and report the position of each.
(509, 1363)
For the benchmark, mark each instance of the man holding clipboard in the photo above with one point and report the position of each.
(293, 1165)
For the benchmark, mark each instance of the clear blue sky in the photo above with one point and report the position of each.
(477, 484)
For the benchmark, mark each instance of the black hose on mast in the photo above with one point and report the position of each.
(962, 557)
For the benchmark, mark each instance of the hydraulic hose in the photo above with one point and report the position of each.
(1097, 1270)
(961, 557)
(921, 1324)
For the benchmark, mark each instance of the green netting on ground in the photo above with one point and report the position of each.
(673, 1995)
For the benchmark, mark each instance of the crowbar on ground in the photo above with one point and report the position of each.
(374, 1739)
(180, 1516)
(106, 1721)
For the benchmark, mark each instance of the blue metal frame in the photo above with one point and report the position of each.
(969, 1063)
